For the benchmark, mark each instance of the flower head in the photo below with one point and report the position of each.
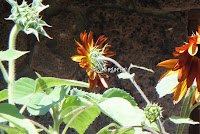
(27, 16)
(89, 58)
(187, 67)
(153, 112)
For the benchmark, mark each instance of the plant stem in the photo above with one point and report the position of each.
(185, 109)
(11, 63)
(4, 72)
(41, 126)
(56, 122)
(162, 130)
(131, 79)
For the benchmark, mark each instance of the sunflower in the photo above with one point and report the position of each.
(187, 67)
(89, 55)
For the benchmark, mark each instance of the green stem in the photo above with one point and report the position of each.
(56, 122)
(185, 109)
(131, 79)
(4, 72)
(162, 130)
(11, 63)
(41, 126)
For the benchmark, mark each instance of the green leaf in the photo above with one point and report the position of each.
(144, 68)
(11, 114)
(11, 54)
(41, 103)
(166, 84)
(152, 125)
(80, 93)
(122, 111)
(24, 90)
(116, 92)
(181, 120)
(109, 129)
(3, 95)
(125, 75)
(81, 119)
(11, 130)
(78, 111)
(113, 128)
(46, 82)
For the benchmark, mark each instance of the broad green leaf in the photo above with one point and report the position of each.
(125, 75)
(11, 114)
(46, 82)
(181, 120)
(113, 128)
(24, 90)
(42, 102)
(80, 93)
(122, 111)
(109, 129)
(3, 95)
(81, 119)
(11, 54)
(152, 125)
(73, 105)
(11, 130)
(116, 92)
(166, 84)
(144, 68)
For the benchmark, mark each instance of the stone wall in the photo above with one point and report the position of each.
(141, 32)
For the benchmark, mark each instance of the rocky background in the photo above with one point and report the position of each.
(141, 32)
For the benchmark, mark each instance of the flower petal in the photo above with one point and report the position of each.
(181, 62)
(93, 83)
(183, 48)
(193, 71)
(90, 40)
(77, 58)
(193, 49)
(180, 91)
(198, 76)
(168, 63)
(104, 83)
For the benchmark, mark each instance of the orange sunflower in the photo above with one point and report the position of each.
(187, 67)
(89, 54)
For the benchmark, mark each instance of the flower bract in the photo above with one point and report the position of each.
(90, 57)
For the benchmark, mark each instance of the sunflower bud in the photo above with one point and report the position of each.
(27, 16)
(153, 112)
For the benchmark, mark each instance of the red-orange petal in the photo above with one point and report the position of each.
(182, 48)
(90, 40)
(193, 39)
(93, 83)
(168, 63)
(198, 76)
(181, 62)
(104, 83)
(193, 71)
